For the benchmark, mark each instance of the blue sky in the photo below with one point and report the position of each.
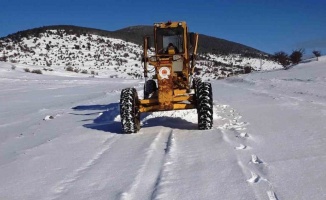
(267, 25)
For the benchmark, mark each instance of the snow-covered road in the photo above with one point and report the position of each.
(60, 139)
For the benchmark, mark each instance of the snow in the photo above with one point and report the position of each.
(60, 139)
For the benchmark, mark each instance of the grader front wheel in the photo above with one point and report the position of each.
(149, 88)
(129, 111)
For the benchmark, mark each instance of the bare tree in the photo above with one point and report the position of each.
(316, 53)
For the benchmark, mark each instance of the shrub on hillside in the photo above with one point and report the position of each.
(48, 63)
(282, 58)
(48, 47)
(4, 58)
(37, 71)
(9, 47)
(316, 53)
(70, 69)
(26, 70)
(296, 56)
(247, 69)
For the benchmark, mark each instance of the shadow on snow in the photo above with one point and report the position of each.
(106, 115)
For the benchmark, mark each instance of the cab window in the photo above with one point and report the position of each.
(166, 36)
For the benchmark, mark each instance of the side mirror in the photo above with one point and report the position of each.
(148, 42)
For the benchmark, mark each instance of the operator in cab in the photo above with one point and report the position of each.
(171, 49)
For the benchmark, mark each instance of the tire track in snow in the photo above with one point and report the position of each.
(169, 144)
(149, 174)
(271, 195)
(64, 185)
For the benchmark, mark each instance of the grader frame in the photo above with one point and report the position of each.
(173, 71)
(174, 88)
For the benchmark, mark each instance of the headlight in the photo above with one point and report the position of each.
(152, 59)
(176, 57)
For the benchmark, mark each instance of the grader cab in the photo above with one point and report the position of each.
(173, 86)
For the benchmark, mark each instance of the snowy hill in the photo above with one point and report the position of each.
(59, 139)
(56, 51)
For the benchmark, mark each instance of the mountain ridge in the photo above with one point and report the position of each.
(84, 50)
(135, 34)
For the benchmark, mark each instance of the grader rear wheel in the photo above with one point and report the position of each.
(129, 111)
(195, 82)
(204, 106)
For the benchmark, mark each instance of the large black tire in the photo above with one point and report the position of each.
(149, 88)
(195, 82)
(129, 111)
(204, 106)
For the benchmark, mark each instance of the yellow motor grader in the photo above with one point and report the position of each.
(173, 86)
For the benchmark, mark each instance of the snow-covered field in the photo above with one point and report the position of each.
(60, 139)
